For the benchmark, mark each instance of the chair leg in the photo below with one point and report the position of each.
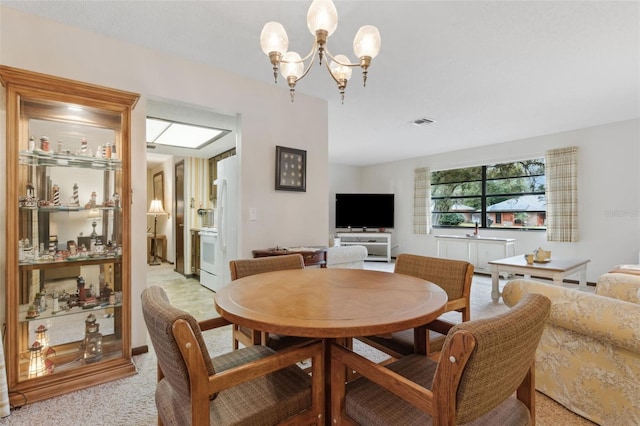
(466, 314)
(349, 373)
(526, 392)
(233, 336)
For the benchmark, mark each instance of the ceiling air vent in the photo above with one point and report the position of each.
(422, 121)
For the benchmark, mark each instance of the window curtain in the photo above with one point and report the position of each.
(422, 201)
(561, 169)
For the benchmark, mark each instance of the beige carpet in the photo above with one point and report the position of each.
(130, 401)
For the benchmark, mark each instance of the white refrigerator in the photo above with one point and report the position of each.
(227, 215)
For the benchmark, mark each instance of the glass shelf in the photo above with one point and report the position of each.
(96, 260)
(64, 209)
(48, 313)
(54, 159)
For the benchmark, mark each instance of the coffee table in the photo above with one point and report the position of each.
(556, 269)
(330, 304)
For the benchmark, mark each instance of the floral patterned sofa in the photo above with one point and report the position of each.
(589, 356)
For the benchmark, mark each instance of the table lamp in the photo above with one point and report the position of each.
(155, 209)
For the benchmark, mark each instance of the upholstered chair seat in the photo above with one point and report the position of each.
(454, 276)
(483, 364)
(241, 268)
(250, 386)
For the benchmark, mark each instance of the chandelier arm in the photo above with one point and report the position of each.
(348, 64)
(304, 74)
(326, 65)
(308, 67)
(313, 51)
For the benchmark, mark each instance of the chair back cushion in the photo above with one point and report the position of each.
(160, 316)
(504, 352)
(450, 275)
(241, 268)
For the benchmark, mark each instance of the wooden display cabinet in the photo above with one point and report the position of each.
(68, 216)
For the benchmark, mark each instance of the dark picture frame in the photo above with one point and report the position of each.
(291, 169)
(158, 188)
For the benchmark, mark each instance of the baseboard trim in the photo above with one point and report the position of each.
(139, 350)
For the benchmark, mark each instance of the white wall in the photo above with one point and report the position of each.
(608, 193)
(268, 119)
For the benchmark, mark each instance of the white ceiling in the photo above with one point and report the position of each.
(485, 71)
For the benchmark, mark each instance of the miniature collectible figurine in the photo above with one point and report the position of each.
(32, 312)
(44, 143)
(56, 195)
(84, 149)
(92, 344)
(82, 293)
(76, 198)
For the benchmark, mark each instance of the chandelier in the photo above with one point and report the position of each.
(322, 20)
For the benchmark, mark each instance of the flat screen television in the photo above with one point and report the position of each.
(364, 210)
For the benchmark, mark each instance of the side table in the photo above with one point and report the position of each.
(153, 245)
(312, 256)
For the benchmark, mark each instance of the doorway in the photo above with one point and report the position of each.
(186, 171)
(179, 215)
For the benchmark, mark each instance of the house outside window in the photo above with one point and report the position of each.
(497, 196)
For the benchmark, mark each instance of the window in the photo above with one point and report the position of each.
(498, 196)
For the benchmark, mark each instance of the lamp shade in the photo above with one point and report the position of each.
(291, 65)
(273, 38)
(156, 207)
(367, 42)
(340, 71)
(322, 15)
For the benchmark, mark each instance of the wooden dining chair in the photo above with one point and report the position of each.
(241, 268)
(482, 365)
(254, 385)
(454, 276)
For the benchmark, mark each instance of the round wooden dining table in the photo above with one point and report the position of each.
(330, 304)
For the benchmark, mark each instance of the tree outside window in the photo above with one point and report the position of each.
(497, 196)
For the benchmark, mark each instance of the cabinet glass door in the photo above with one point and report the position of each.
(70, 238)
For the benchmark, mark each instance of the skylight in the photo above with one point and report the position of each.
(163, 132)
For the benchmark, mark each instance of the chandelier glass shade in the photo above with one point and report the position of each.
(322, 21)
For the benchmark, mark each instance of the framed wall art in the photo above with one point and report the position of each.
(158, 187)
(291, 169)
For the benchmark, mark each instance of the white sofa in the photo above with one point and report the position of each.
(346, 257)
(589, 356)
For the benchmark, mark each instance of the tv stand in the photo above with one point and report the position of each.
(370, 240)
